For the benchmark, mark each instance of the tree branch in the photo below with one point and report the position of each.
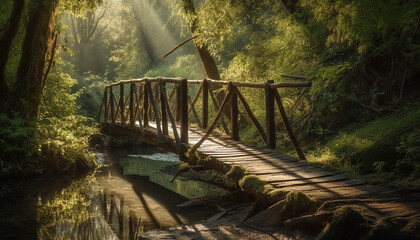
(180, 45)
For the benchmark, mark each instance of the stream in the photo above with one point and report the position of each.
(126, 196)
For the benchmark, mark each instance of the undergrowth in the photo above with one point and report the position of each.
(387, 147)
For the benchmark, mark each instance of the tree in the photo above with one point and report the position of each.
(209, 64)
(84, 29)
(37, 51)
(11, 29)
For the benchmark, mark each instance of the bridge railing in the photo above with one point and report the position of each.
(168, 103)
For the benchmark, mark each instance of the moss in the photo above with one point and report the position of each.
(346, 223)
(252, 184)
(236, 172)
(276, 195)
(383, 146)
(297, 203)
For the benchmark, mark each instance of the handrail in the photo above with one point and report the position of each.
(219, 82)
(145, 103)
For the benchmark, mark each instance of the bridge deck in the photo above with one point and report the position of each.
(279, 170)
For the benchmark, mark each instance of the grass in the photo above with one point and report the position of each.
(386, 147)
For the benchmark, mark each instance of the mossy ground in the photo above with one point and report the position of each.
(386, 147)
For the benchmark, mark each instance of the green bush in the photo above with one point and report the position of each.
(63, 143)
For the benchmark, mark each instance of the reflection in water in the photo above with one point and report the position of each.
(109, 205)
(144, 165)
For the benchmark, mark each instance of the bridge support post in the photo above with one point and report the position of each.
(122, 104)
(163, 108)
(269, 116)
(205, 108)
(234, 128)
(111, 98)
(105, 105)
(132, 120)
(146, 104)
(184, 110)
(177, 102)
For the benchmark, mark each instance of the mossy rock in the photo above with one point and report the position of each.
(236, 172)
(252, 184)
(346, 223)
(275, 195)
(296, 204)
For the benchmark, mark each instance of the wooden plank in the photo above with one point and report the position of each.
(308, 182)
(293, 176)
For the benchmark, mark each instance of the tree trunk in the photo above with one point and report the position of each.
(36, 50)
(5, 45)
(207, 60)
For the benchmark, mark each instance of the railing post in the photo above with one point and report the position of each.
(132, 121)
(106, 105)
(183, 107)
(177, 102)
(163, 108)
(269, 116)
(234, 128)
(111, 98)
(146, 104)
(205, 108)
(122, 107)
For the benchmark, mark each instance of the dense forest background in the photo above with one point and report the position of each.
(361, 114)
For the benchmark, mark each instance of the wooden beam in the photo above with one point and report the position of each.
(132, 120)
(269, 116)
(205, 108)
(122, 104)
(287, 126)
(234, 128)
(251, 115)
(146, 105)
(111, 99)
(163, 109)
(183, 107)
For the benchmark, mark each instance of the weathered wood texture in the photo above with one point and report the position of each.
(220, 152)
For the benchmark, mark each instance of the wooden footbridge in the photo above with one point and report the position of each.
(162, 112)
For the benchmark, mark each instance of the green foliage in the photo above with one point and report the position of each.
(17, 144)
(386, 146)
(187, 67)
(63, 143)
(73, 205)
(90, 88)
(59, 100)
